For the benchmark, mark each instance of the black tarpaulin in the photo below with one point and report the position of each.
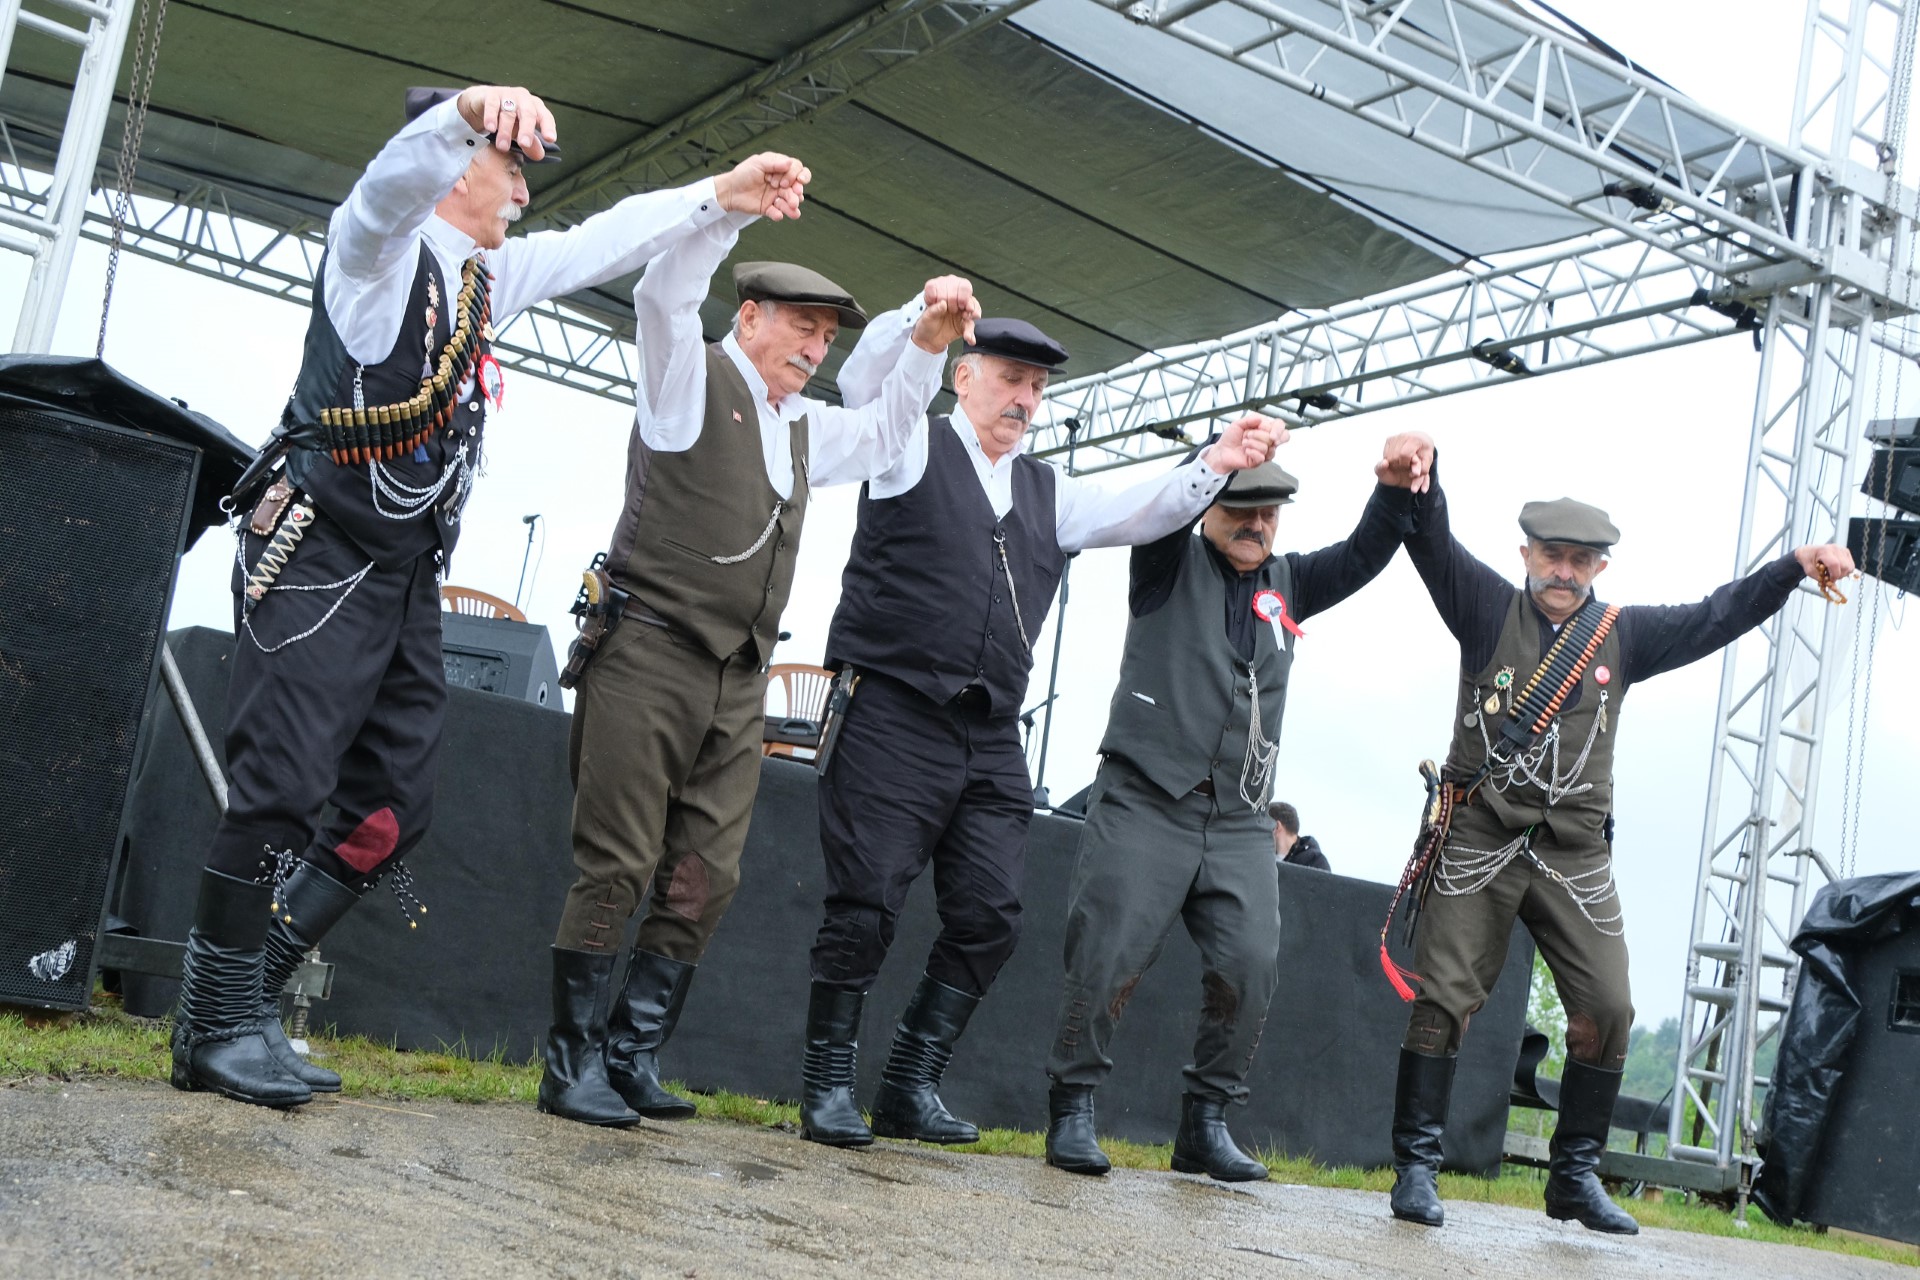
(89, 388)
(1847, 919)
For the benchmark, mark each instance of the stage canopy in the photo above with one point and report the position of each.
(1124, 190)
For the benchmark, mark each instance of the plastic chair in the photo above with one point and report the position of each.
(797, 733)
(478, 604)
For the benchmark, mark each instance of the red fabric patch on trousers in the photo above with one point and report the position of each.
(371, 843)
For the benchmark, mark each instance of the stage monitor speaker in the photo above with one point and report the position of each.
(1893, 476)
(92, 521)
(1887, 549)
(499, 655)
(1867, 1175)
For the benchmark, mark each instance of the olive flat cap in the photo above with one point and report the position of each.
(1015, 340)
(785, 282)
(1263, 486)
(422, 100)
(1565, 520)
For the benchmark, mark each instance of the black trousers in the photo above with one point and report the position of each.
(337, 697)
(913, 782)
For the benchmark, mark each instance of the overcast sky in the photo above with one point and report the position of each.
(1658, 441)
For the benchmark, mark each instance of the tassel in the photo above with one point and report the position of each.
(1396, 975)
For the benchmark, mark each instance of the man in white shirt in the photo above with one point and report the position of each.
(338, 692)
(667, 724)
(957, 555)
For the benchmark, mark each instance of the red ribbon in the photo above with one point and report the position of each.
(1269, 605)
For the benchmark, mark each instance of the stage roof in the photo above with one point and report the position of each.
(1119, 188)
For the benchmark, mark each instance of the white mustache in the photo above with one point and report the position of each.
(804, 365)
(509, 212)
(1015, 412)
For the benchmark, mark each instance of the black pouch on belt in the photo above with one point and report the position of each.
(845, 682)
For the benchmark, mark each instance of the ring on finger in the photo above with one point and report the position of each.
(506, 104)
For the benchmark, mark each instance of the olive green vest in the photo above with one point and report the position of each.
(685, 546)
(1580, 815)
(1183, 708)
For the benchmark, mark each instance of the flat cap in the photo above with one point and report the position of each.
(1015, 340)
(785, 282)
(1564, 520)
(420, 101)
(1263, 486)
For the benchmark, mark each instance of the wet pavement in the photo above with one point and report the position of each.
(126, 1179)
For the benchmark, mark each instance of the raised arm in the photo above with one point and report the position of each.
(883, 419)
(1660, 638)
(1323, 578)
(1470, 596)
(1087, 514)
(669, 393)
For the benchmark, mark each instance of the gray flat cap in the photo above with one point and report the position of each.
(785, 282)
(1263, 486)
(1565, 520)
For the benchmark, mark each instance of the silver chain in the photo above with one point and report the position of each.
(1000, 542)
(141, 86)
(773, 521)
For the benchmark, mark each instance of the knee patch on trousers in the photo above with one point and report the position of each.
(688, 890)
(371, 843)
(1588, 1041)
(1219, 1000)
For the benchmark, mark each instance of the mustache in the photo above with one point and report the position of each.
(1246, 535)
(1537, 585)
(509, 212)
(1014, 411)
(804, 365)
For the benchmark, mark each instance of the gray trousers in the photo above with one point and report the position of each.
(1146, 860)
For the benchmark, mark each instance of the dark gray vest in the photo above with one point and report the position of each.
(1183, 709)
(327, 381)
(704, 543)
(1582, 815)
(925, 596)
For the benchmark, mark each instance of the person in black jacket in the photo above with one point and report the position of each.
(1288, 844)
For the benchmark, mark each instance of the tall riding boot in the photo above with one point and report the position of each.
(1203, 1144)
(908, 1106)
(574, 1085)
(311, 902)
(222, 1048)
(1573, 1187)
(1070, 1140)
(644, 1016)
(827, 1110)
(1420, 1099)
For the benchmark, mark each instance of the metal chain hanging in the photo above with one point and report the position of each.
(140, 93)
(1860, 704)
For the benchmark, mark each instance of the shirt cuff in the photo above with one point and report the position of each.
(1202, 481)
(922, 365)
(707, 208)
(446, 123)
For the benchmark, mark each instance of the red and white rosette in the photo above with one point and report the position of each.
(1271, 607)
(493, 383)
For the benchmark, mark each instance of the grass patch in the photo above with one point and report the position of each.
(107, 1042)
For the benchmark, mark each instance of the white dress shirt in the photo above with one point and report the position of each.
(373, 240)
(844, 445)
(1085, 514)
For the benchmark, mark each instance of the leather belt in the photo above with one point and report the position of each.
(1462, 796)
(1205, 788)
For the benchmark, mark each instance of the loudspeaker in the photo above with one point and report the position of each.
(1887, 549)
(1893, 476)
(92, 521)
(499, 655)
(1867, 1176)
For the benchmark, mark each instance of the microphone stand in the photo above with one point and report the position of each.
(525, 556)
(1059, 629)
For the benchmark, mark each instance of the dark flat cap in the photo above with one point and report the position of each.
(1263, 486)
(1565, 520)
(785, 282)
(1015, 340)
(420, 101)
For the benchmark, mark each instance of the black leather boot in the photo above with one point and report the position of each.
(1420, 1099)
(1070, 1141)
(1203, 1144)
(574, 1085)
(1574, 1192)
(908, 1105)
(311, 902)
(827, 1110)
(218, 1044)
(644, 1016)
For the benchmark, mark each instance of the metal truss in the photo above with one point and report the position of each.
(1603, 298)
(802, 86)
(46, 226)
(1757, 857)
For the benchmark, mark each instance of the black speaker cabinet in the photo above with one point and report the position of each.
(92, 521)
(1867, 1176)
(499, 655)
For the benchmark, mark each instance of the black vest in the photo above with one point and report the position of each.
(924, 598)
(327, 381)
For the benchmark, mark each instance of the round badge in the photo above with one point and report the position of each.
(1601, 675)
(1268, 605)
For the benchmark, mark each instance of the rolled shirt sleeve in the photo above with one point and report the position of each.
(1087, 514)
